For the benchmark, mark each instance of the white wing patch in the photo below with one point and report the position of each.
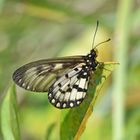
(70, 89)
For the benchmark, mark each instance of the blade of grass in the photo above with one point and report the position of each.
(121, 44)
(74, 120)
(9, 119)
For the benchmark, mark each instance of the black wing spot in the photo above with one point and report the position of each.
(59, 85)
(69, 89)
(66, 75)
(63, 92)
(68, 85)
(75, 86)
(76, 69)
(81, 90)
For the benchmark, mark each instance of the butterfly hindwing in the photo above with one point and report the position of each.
(70, 89)
(38, 76)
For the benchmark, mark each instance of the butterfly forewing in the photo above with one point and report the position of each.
(38, 76)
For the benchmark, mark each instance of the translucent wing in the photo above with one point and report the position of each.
(70, 89)
(38, 76)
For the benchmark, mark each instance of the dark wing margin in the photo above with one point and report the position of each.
(38, 76)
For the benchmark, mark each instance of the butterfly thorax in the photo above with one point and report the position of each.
(90, 59)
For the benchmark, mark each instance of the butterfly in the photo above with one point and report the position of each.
(65, 79)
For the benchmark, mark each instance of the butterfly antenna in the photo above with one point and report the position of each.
(102, 42)
(95, 34)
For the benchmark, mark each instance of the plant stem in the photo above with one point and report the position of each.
(121, 48)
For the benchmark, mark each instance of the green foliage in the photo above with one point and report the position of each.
(34, 29)
(9, 117)
(133, 126)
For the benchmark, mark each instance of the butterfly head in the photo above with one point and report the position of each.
(94, 53)
(91, 57)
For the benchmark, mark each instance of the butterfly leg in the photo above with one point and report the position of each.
(101, 66)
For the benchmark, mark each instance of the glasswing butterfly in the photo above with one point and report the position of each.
(65, 79)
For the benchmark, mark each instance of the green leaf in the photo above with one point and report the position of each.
(9, 119)
(50, 131)
(74, 120)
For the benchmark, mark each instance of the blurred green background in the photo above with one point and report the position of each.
(38, 29)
